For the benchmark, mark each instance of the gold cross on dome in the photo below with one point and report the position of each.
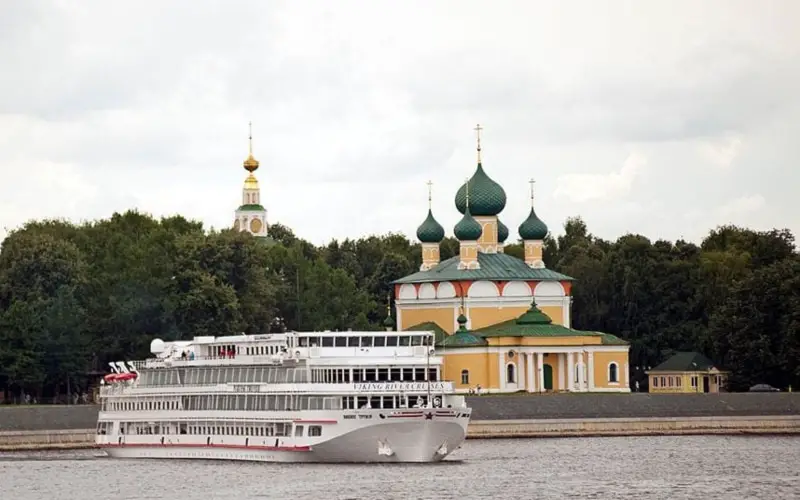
(430, 187)
(478, 129)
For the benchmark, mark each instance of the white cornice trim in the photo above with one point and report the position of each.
(479, 301)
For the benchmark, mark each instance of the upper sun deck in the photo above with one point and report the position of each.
(296, 348)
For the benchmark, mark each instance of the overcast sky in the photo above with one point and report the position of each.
(661, 118)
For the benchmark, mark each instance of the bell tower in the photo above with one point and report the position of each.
(251, 216)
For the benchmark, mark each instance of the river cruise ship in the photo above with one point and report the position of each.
(284, 397)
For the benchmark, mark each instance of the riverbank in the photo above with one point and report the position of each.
(519, 406)
(497, 429)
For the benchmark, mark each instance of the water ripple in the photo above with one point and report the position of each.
(685, 467)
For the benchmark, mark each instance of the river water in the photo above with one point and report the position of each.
(691, 467)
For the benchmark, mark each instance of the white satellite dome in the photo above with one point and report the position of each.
(157, 346)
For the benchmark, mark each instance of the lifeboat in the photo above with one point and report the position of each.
(119, 377)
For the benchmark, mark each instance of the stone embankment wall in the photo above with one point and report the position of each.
(636, 405)
(47, 417)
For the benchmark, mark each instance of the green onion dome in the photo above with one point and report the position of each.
(430, 231)
(486, 197)
(502, 231)
(468, 229)
(533, 228)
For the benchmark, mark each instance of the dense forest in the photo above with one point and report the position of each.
(73, 297)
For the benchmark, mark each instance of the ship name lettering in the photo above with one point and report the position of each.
(398, 386)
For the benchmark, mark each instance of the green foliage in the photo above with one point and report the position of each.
(73, 297)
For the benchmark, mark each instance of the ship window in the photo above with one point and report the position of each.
(327, 341)
(408, 374)
(465, 377)
(416, 340)
(395, 374)
(353, 342)
(391, 341)
(315, 431)
(341, 341)
(380, 341)
(313, 341)
(404, 341)
(419, 373)
(383, 374)
(370, 375)
(366, 341)
(298, 431)
(432, 374)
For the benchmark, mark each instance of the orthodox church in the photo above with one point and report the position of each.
(502, 323)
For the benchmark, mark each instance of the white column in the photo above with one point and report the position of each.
(581, 368)
(562, 370)
(501, 363)
(591, 371)
(529, 370)
(570, 372)
(540, 370)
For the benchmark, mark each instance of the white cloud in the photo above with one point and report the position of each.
(722, 152)
(146, 106)
(743, 205)
(581, 188)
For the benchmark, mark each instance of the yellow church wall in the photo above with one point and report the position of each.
(601, 363)
(543, 341)
(681, 382)
(443, 316)
(481, 366)
(485, 316)
(481, 317)
(555, 313)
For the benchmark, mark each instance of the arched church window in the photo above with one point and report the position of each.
(464, 377)
(511, 373)
(613, 372)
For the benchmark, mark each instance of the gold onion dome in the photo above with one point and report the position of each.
(251, 164)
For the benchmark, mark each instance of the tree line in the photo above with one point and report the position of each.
(75, 296)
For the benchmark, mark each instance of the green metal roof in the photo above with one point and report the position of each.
(468, 229)
(502, 231)
(430, 231)
(430, 326)
(533, 228)
(486, 197)
(251, 208)
(462, 339)
(684, 362)
(494, 266)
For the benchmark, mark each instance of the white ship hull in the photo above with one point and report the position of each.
(425, 435)
(330, 397)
